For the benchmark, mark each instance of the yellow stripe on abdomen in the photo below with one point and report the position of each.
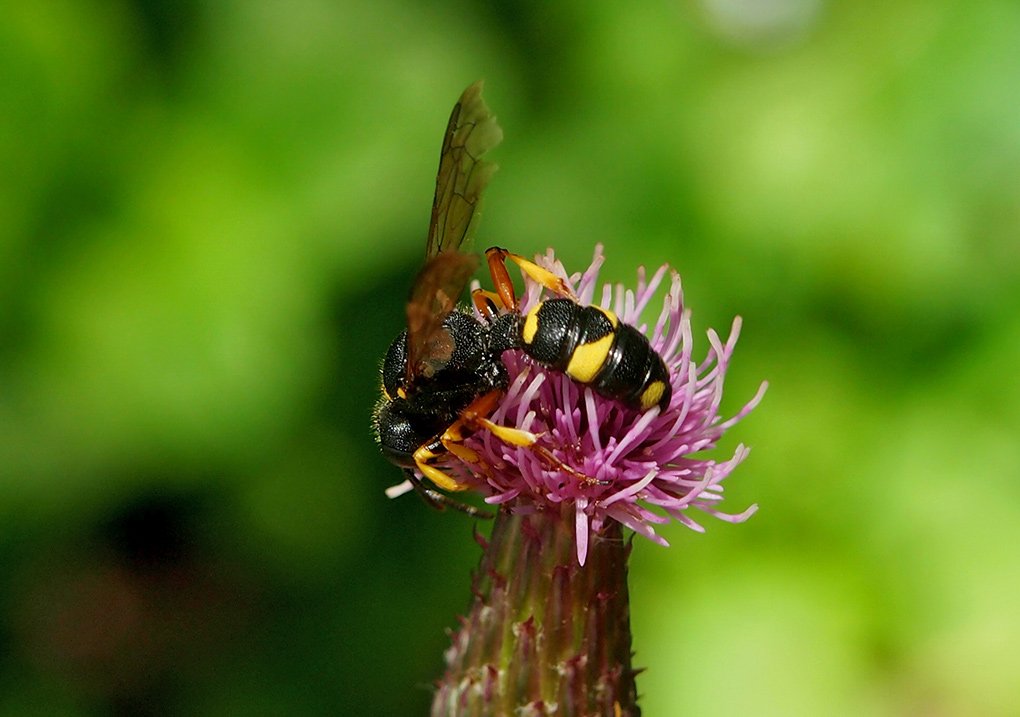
(652, 394)
(588, 359)
(531, 325)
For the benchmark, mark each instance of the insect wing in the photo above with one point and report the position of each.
(436, 291)
(463, 175)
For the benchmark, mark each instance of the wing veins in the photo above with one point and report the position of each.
(463, 175)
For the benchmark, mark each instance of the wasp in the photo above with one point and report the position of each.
(443, 376)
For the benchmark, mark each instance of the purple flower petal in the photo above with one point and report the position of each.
(635, 460)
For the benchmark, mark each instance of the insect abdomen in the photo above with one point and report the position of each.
(593, 347)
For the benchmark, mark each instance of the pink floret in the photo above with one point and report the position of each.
(648, 466)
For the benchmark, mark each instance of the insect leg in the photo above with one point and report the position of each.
(487, 303)
(437, 500)
(451, 440)
(475, 417)
(425, 458)
(504, 286)
(497, 257)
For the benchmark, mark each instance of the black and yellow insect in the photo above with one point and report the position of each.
(590, 345)
(443, 376)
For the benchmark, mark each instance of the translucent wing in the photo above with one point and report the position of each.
(436, 291)
(463, 175)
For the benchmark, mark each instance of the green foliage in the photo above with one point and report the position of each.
(210, 216)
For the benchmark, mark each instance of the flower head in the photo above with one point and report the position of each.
(643, 468)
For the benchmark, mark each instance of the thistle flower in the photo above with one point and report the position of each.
(548, 629)
(646, 469)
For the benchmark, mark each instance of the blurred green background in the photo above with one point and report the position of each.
(210, 214)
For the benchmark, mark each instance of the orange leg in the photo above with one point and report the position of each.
(475, 418)
(497, 257)
(487, 303)
(452, 441)
(501, 281)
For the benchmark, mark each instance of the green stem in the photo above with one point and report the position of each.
(543, 635)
